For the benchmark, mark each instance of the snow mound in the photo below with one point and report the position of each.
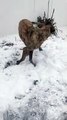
(34, 93)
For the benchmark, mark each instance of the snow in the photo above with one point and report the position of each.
(34, 93)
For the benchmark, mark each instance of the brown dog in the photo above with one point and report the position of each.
(33, 37)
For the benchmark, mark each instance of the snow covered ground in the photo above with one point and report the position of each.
(34, 93)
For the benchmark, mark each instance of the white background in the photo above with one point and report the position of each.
(12, 11)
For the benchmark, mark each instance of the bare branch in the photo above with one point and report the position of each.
(52, 13)
(48, 9)
(44, 16)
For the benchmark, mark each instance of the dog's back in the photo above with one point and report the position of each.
(24, 25)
